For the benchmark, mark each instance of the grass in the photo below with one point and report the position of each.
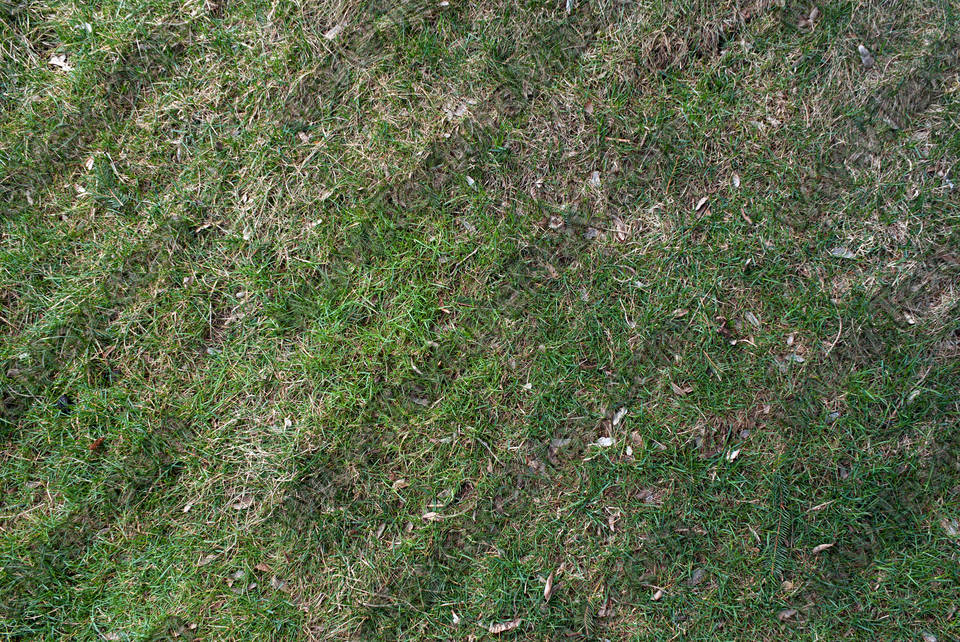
(362, 320)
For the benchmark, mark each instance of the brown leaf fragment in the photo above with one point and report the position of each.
(786, 614)
(681, 390)
(822, 547)
(548, 588)
(841, 252)
(243, 503)
(503, 627)
(60, 62)
(723, 327)
(620, 229)
(696, 577)
(950, 526)
(619, 415)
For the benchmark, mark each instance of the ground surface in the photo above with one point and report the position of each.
(434, 320)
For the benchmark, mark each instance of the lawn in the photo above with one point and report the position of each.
(586, 320)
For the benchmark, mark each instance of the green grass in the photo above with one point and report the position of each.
(312, 332)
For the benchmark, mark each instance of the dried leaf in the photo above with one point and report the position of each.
(701, 203)
(263, 568)
(604, 442)
(503, 627)
(696, 577)
(733, 454)
(681, 390)
(786, 614)
(431, 516)
(621, 229)
(60, 62)
(95, 445)
(456, 618)
(822, 547)
(865, 56)
(206, 559)
(842, 253)
(950, 526)
(245, 502)
(548, 588)
(619, 415)
(333, 32)
(595, 179)
(752, 318)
